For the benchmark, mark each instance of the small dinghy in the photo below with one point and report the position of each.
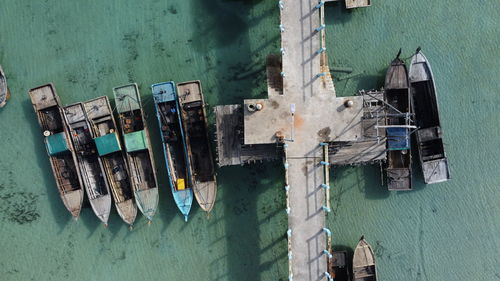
(429, 137)
(59, 146)
(363, 262)
(399, 123)
(174, 146)
(89, 162)
(4, 90)
(194, 120)
(113, 159)
(137, 144)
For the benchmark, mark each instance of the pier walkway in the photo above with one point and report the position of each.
(303, 114)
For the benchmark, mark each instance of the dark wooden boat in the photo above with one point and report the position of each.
(59, 146)
(174, 145)
(363, 262)
(113, 159)
(428, 136)
(89, 162)
(194, 120)
(4, 90)
(137, 144)
(397, 96)
(337, 266)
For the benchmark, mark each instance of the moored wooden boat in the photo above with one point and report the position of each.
(363, 262)
(88, 161)
(174, 146)
(397, 96)
(194, 121)
(59, 146)
(4, 89)
(357, 3)
(137, 144)
(337, 266)
(113, 159)
(428, 136)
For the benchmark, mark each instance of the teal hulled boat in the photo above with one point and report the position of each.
(174, 145)
(139, 153)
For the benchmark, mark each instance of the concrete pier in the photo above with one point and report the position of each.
(301, 113)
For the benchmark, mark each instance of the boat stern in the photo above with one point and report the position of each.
(73, 201)
(436, 171)
(184, 201)
(147, 201)
(127, 211)
(102, 207)
(205, 193)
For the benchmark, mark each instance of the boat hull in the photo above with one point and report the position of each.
(194, 121)
(138, 146)
(363, 262)
(397, 95)
(113, 159)
(173, 142)
(89, 163)
(4, 89)
(429, 142)
(59, 146)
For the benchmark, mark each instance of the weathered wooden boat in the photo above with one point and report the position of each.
(357, 3)
(113, 159)
(59, 146)
(363, 262)
(88, 161)
(194, 121)
(4, 89)
(399, 124)
(337, 266)
(428, 136)
(137, 144)
(174, 146)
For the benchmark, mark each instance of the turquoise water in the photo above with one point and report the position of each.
(448, 231)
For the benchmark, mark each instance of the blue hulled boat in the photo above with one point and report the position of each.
(174, 145)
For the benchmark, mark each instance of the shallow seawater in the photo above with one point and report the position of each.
(447, 231)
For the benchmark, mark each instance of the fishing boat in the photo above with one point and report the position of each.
(113, 159)
(429, 138)
(174, 146)
(337, 266)
(89, 163)
(4, 90)
(137, 145)
(194, 121)
(357, 3)
(399, 124)
(59, 146)
(363, 262)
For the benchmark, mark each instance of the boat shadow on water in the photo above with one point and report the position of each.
(59, 211)
(166, 211)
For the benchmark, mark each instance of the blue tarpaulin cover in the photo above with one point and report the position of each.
(56, 144)
(398, 138)
(107, 144)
